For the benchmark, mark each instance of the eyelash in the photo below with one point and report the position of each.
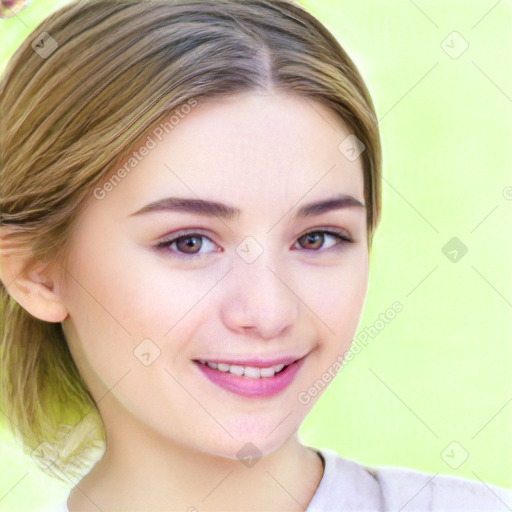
(164, 245)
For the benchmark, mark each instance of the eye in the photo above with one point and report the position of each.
(189, 245)
(317, 238)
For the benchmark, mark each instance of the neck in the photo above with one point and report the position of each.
(142, 471)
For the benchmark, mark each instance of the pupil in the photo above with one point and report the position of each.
(311, 238)
(190, 241)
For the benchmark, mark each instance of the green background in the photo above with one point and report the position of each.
(435, 383)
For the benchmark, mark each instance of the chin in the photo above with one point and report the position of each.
(253, 438)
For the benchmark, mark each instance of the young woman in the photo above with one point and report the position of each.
(189, 191)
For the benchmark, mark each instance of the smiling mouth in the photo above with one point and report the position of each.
(256, 381)
(250, 372)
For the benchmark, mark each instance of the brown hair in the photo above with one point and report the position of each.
(75, 104)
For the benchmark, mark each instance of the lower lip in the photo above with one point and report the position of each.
(255, 388)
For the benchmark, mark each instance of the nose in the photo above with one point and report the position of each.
(260, 298)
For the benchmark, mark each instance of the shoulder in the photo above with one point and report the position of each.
(408, 489)
(349, 485)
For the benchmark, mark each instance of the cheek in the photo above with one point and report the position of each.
(109, 308)
(335, 295)
(125, 287)
(123, 296)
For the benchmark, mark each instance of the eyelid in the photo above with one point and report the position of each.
(185, 232)
(200, 231)
(330, 230)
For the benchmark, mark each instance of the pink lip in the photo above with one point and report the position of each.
(254, 388)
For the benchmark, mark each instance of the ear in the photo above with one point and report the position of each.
(29, 281)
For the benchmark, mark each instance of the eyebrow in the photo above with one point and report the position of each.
(216, 209)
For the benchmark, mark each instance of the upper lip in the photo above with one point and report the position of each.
(255, 362)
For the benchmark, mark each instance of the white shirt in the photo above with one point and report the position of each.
(349, 486)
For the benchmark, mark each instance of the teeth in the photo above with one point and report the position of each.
(236, 370)
(267, 372)
(247, 371)
(253, 373)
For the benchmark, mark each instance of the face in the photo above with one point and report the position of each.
(153, 290)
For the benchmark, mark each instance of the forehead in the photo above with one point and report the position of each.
(255, 151)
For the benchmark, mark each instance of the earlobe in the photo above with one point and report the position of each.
(29, 283)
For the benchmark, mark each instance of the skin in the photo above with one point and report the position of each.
(172, 435)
